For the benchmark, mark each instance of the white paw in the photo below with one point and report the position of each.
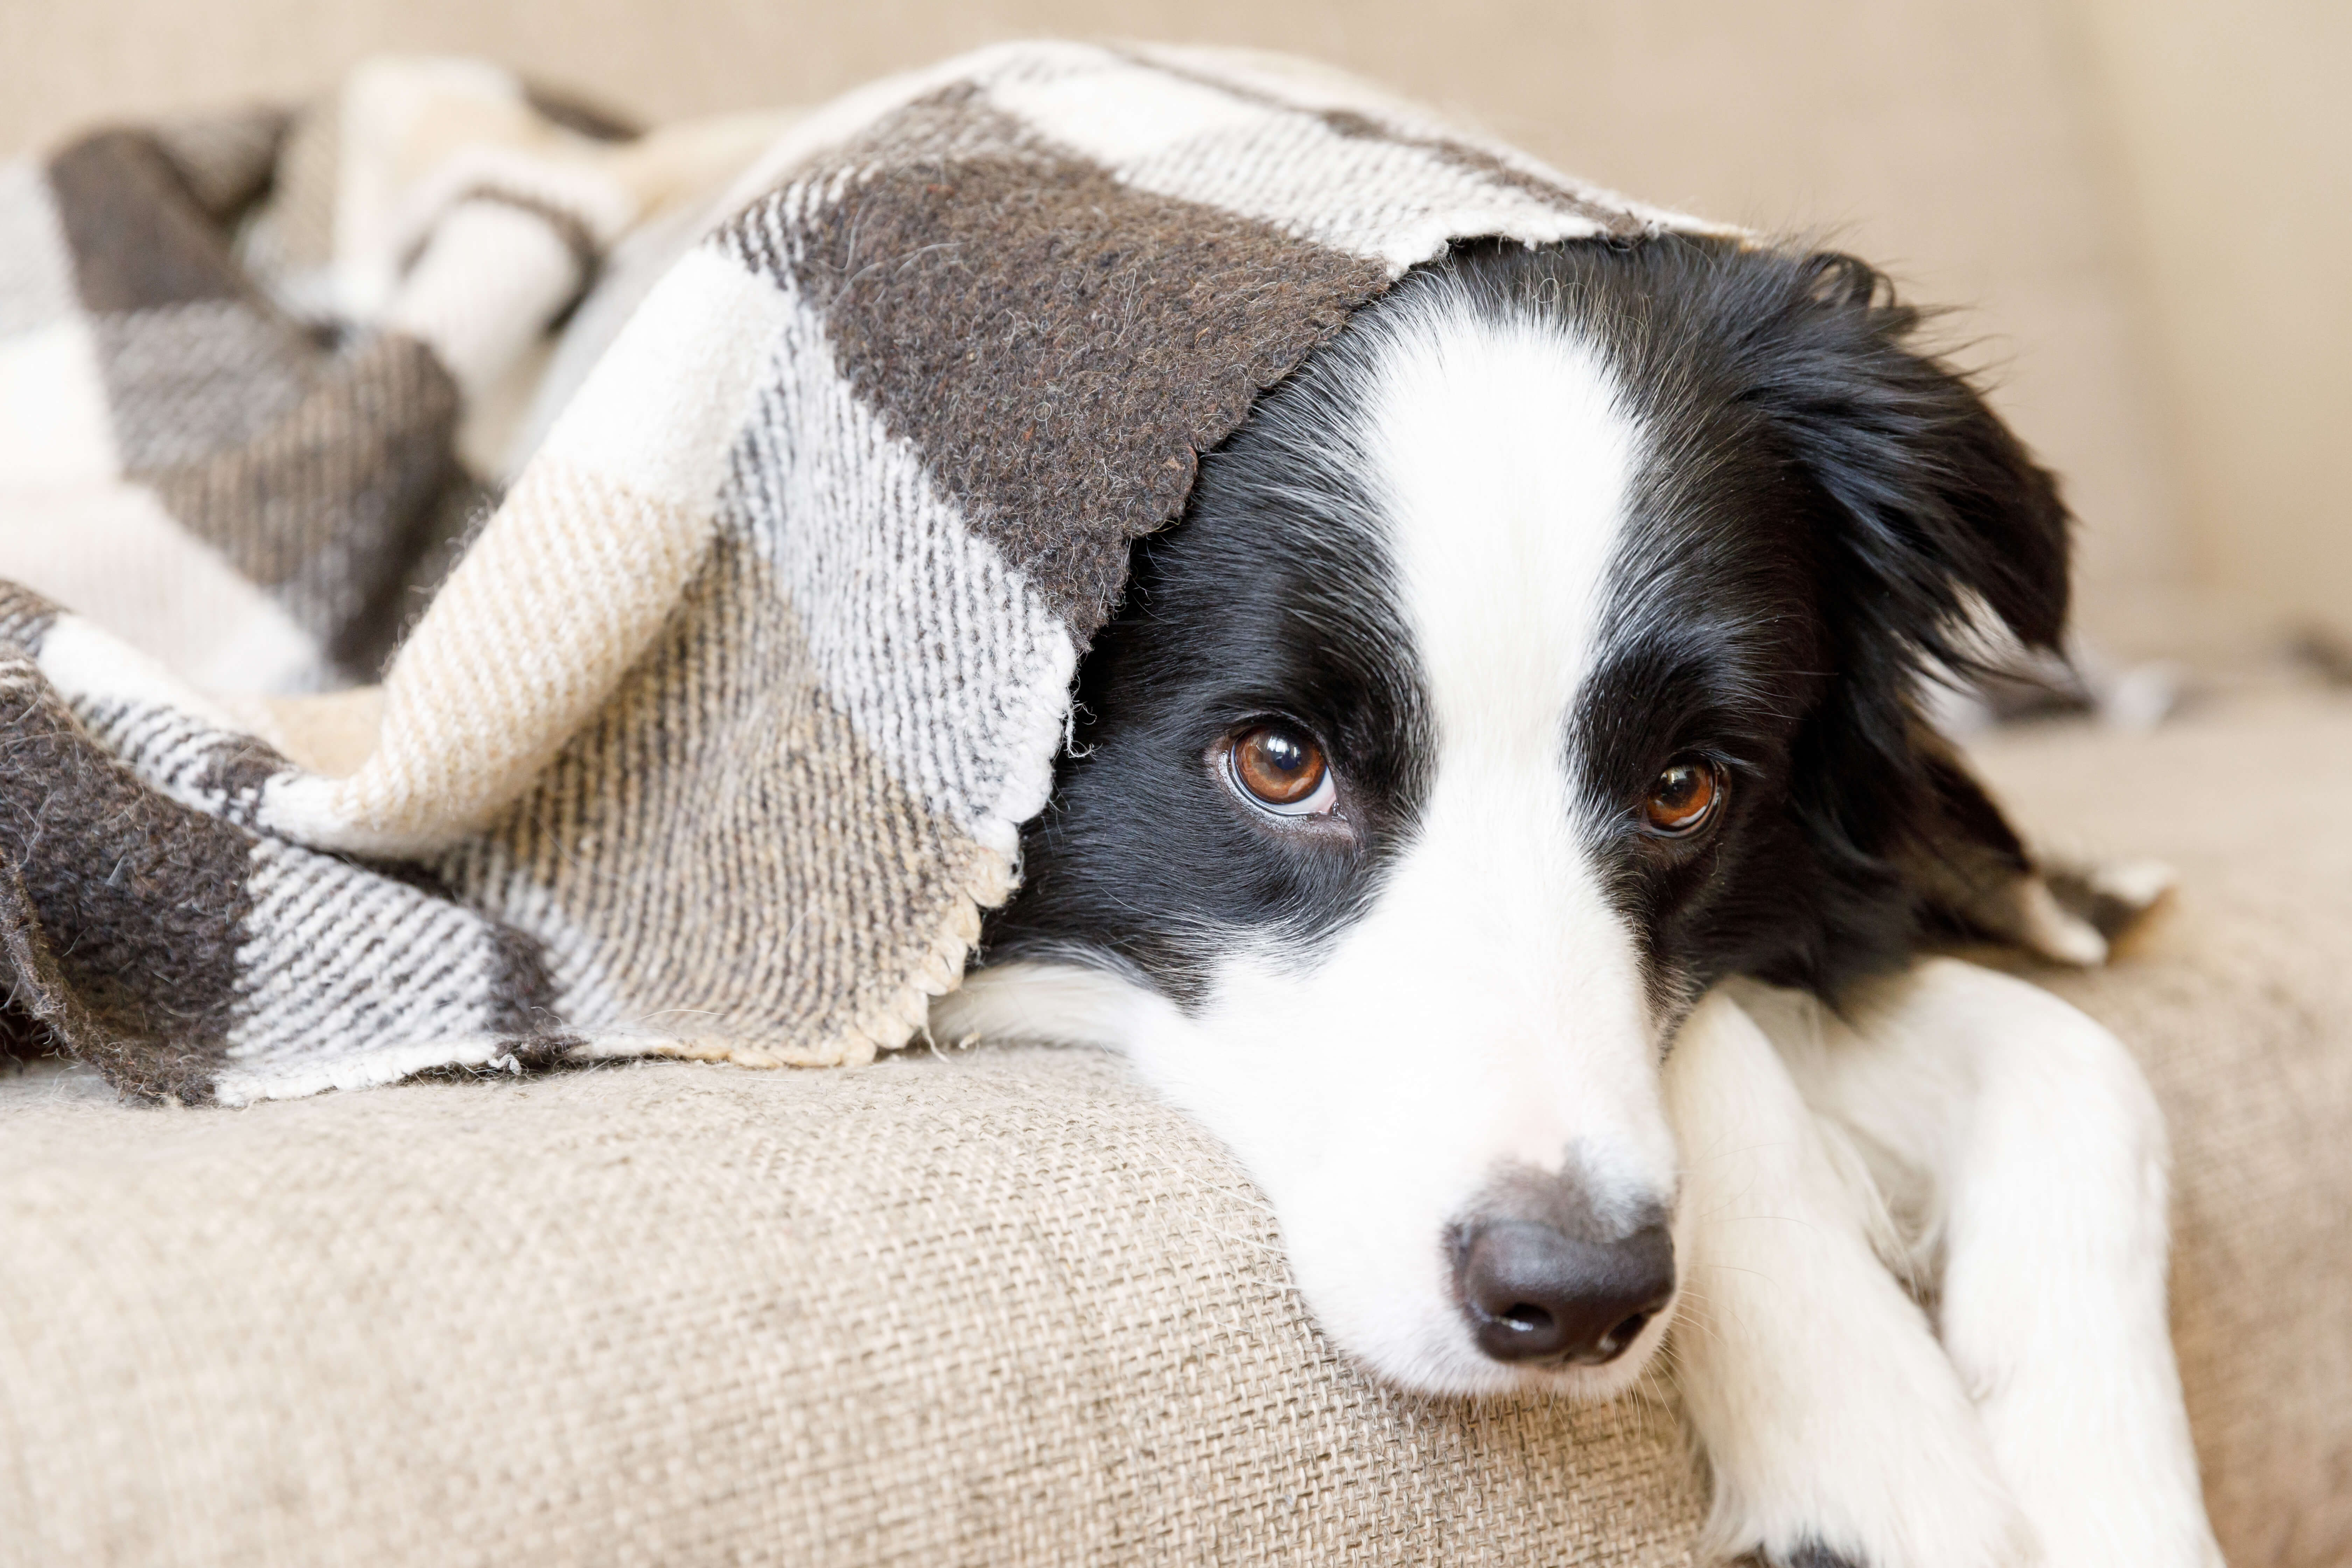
(2053, 1303)
(1850, 1463)
(1836, 1426)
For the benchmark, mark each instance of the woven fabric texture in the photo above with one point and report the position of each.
(717, 738)
(999, 1306)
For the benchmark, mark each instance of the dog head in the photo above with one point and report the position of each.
(1540, 653)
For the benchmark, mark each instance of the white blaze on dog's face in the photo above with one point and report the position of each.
(1483, 1022)
(1486, 1014)
(1436, 763)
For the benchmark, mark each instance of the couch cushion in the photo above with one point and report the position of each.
(995, 1306)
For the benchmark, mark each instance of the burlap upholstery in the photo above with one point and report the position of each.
(999, 1306)
(1002, 1308)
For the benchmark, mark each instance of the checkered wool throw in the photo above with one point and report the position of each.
(717, 738)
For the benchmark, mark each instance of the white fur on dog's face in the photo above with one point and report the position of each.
(1487, 1012)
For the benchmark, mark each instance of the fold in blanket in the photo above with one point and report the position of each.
(717, 738)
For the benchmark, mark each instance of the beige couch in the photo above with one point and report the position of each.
(1001, 1307)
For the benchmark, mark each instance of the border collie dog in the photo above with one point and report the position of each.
(1501, 812)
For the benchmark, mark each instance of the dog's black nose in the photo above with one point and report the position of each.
(1535, 1294)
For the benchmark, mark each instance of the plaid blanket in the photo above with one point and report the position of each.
(757, 649)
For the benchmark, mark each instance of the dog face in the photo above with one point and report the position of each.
(1538, 655)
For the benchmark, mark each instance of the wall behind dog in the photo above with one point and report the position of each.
(2229, 126)
(2018, 158)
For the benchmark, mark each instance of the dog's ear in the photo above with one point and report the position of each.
(1933, 522)
(1939, 514)
(1971, 878)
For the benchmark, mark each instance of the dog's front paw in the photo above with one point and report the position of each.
(1866, 1528)
(1813, 1554)
(1807, 1554)
(1834, 1424)
(2006, 1546)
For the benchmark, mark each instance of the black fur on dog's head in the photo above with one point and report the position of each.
(1825, 517)
(1829, 479)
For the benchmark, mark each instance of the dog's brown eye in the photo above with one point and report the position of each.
(1682, 798)
(1281, 770)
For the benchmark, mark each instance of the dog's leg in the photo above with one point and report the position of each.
(1834, 1425)
(2036, 1153)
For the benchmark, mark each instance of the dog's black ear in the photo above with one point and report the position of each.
(1933, 520)
(1939, 511)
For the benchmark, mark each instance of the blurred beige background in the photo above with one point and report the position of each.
(2141, 204)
